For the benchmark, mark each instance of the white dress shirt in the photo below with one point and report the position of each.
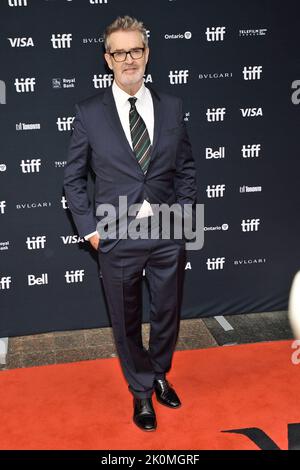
(144, 106)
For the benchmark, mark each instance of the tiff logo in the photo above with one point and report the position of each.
(37, 281)
(215, 33)
(17, 3)
(103, 81)
(74, 276)
(98, 2)
(36, 243)
(5, 282)
(2, 92)
(215, 114)
(24, 85)
(2, 207)
(215, 263)
(64, 202)
(252, 72)
(210, 153)
(250, 225)
(30, 166)
(65, 123)
(215, 190)
(178, 77)
(251, 150)
(61, 41)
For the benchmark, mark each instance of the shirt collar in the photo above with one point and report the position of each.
(122, 97)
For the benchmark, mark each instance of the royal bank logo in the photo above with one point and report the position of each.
(215, 114)
(17, 3)
(251, 150)
(25, 85)
(61, 41)
(36, 243)
(210, 153)
(58, 83)
(296, 94)
(250, 225)
(103, 80)
(215, 33)
(5, 282)
(252, 72)
(215, 264)
(31, 166)
(3, 167)
(2, 207)
(74, 276)
(251, 112)
(21, 42)
(64, 123)
(2, 92)
(178, 77)
(215, 190)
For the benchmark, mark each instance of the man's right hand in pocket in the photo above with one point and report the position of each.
(94, 241)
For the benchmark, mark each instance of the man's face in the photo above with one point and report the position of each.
(131, 71)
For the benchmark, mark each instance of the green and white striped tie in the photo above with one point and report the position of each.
(139, 135)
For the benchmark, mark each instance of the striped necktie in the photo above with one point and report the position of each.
(140, 137)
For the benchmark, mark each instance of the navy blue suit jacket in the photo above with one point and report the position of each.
(98, 139)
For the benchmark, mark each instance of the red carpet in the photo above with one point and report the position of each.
(86, 405)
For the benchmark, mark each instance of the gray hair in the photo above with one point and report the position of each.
(125, 23)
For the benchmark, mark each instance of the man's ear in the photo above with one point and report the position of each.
(107, 57)
(147, 51)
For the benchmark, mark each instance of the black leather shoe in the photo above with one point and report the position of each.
(144, 414)
(165, 394)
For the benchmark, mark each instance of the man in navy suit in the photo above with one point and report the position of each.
(135, 141)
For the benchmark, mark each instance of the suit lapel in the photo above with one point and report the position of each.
(114, 120)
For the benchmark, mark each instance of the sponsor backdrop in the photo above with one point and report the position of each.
(236, 66)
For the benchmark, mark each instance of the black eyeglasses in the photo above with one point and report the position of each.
(121, 56)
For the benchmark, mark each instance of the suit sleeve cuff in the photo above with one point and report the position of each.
(89, 235)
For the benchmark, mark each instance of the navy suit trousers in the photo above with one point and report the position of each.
(122, 276)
